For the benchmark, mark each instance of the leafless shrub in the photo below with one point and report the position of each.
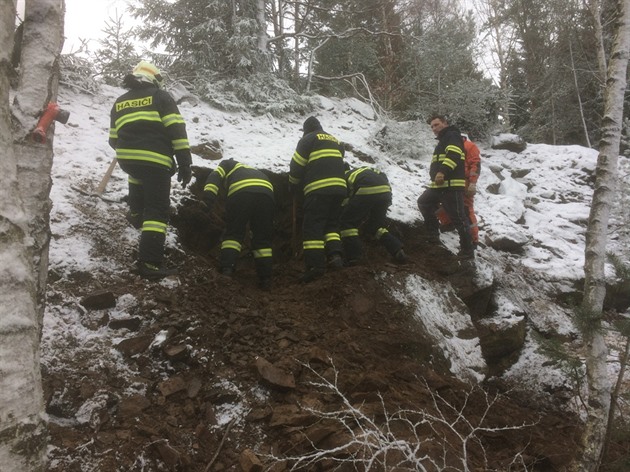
(440, 438)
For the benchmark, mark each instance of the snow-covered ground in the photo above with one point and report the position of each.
(539, 198)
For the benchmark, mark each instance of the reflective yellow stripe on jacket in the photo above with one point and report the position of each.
(144, 155)
(374, 190)
(331, 182)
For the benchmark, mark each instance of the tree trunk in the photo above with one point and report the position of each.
(262, 26)
(596, 237)
(577, 90)
(595, 9)
(38, 86)
(24, 229)
(297, 25)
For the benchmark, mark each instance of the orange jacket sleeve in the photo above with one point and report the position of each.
(473, 161)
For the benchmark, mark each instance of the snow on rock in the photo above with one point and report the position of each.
(512, 142)
(447, 321)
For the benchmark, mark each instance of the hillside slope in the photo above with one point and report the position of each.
(192, 372)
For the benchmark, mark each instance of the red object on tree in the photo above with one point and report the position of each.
(51, 112)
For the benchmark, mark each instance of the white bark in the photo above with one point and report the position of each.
(24, 230)
(262, 26)
(595, 8)
(596, 238)
(39, 79)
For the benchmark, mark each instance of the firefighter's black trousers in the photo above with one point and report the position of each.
(370, 212)
(258, 210)
(149, 196)
(320, 229)
(452, 199)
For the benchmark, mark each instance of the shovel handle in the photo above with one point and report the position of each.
(101, 187)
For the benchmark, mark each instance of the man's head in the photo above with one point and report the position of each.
(147, 72)
(438, 123)
(311, 124)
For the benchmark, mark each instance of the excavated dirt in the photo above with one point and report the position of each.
(227, 343)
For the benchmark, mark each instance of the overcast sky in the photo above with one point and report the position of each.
(85, 19)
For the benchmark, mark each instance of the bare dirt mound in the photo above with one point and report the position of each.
(211, 374)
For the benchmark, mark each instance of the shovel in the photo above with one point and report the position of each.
(102, 185)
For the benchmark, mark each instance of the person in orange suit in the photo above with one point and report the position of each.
(472, 165)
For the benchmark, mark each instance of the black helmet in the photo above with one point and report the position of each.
(311, 124)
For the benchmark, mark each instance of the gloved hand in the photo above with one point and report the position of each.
(471, 189)
(439, 178)
(184, 174)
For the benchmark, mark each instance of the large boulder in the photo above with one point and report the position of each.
(509, 142)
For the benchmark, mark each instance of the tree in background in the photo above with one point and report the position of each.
(365, 39)
(441, 74)
(25, 229)
(403, 56)
(499, 39)
(599, 389)
(117, 55)
(552, 67)
(221, 48)
(568, 105)
(205, 38)
(409, 57)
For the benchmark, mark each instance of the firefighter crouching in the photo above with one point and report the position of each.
(249, 199)
(369, 199)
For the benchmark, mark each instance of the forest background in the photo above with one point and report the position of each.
(532, 68)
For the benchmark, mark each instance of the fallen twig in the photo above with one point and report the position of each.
(216, 454)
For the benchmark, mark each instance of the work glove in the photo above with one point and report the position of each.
(439, 178)
(184, 174)
(471, 189)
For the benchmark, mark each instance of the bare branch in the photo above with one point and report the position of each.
(399, 440)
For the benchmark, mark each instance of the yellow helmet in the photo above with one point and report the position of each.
(147, 72)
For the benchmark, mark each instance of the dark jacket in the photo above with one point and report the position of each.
(449, 158)
(366, 181)
(146, 128)
(317, 164)
(235, 177)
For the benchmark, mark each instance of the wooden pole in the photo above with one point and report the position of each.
(101, 187)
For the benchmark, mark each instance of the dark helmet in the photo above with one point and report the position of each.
(311, 124)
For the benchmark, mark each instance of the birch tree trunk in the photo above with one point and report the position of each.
(24, 229)
(595, 8)
(596, 238)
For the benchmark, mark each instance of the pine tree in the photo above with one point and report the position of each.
(204, 38)
(117, 54)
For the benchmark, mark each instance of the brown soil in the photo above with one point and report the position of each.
(167, 413)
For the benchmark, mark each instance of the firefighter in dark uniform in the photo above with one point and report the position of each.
(369, 199)
(146, 131)
(317, 168)
(448, 180)
(249, 199)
